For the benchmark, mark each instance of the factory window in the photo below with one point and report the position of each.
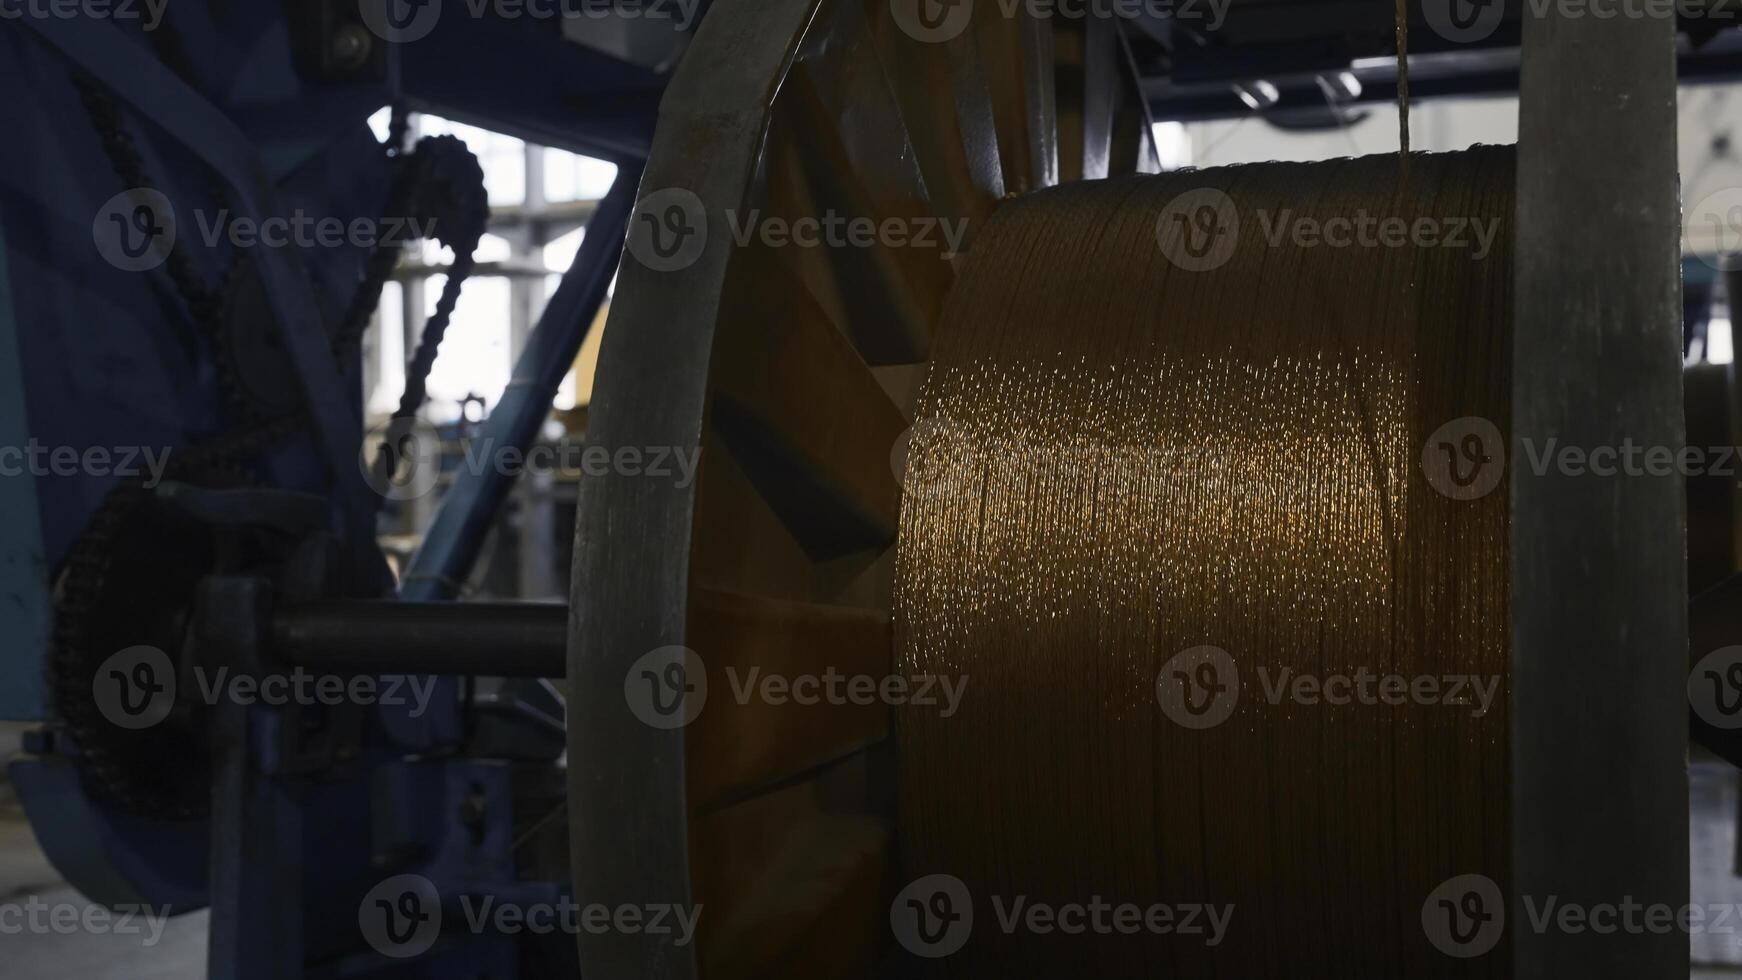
(540, 199)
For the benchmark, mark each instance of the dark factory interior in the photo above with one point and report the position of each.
(870, 489)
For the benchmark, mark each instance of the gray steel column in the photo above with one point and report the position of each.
(1599, 706)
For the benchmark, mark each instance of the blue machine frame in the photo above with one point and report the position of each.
(96, 356)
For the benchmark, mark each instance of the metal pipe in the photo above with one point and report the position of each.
(497, 639)
(457, 535)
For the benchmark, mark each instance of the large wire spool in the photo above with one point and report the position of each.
(1166, 463)
(790, 370)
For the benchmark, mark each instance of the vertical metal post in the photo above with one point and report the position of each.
(1599, 581)
(24, 571)
(256, 888)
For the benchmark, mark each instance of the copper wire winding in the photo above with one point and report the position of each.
(1116, 459)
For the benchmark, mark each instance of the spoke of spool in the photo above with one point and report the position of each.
(1102, 52)
(847, 157)
(757, 730)
(740, 542)
(1070, 80)
(1133, 139)
(1017, 56)
(787, 892)
(957, 151)
(805, 418)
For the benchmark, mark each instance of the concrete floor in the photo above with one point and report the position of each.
(180, 952)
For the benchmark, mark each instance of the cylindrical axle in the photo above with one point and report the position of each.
(499, 639)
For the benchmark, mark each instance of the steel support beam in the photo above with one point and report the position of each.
(1599, 709)
(471, 504)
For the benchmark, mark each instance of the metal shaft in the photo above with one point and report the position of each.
(504, 639)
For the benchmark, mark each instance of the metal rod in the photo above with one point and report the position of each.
(471, 504)
(349, 637)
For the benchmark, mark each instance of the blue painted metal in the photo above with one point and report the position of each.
(114, 862)
(24, 599)
(100, 357)
(99, 48)
(524, 79)
(455, 537)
